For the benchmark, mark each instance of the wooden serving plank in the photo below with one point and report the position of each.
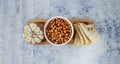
(86, 21)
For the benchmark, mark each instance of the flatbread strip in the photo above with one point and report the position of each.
(85, 34)
(92, 34)
(87, 41)
(78, 37)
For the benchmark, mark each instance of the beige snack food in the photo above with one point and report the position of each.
(86, 34)
(78, 37)
(87, 41)
(32, 33)
(90, 32)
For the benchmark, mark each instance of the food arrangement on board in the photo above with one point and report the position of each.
(59, 31)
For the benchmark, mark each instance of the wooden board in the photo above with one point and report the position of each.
(86, 21)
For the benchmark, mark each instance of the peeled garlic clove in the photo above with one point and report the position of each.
(33, 26)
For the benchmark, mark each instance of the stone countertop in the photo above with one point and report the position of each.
(15, 13)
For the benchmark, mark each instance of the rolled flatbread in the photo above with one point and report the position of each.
(76, 41)
(78, 36)
(90, 32)
(87, 41)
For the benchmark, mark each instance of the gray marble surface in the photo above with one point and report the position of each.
(15, 13)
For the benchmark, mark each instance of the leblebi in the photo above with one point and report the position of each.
(32, 33)
(58, 31)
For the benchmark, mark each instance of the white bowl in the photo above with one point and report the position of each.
(48, 23)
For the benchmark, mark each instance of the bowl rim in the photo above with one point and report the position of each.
(45, 26)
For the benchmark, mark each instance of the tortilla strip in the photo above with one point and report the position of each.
(79, 34)
(91, 34)
(87, 41)
(76, 41)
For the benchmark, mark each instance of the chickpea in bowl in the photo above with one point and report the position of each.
(58, 31)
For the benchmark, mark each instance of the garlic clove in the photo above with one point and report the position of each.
(41, 36)
(28, 39)
(33, 26)
(27, 29)
(37, 30)
(33, 41)
(41, 32)
(24, 35)
(37, 40)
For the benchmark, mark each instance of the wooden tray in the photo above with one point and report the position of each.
(86, 21)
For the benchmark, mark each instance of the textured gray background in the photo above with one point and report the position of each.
(15, 13)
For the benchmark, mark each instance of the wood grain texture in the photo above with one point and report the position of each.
(86, 21)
